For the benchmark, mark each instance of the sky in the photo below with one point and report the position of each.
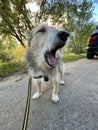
(95, 14)
(96, 10)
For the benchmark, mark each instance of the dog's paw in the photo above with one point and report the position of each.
(55, 98)
(36, 95)
(62, 82)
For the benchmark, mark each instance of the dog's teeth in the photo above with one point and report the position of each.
(49, 61)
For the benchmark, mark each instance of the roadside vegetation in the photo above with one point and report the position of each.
(72, 57)
(11, 60)
(7, 68)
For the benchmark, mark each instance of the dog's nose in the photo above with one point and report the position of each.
(63, 35)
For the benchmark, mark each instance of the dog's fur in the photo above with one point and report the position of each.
(43, 57)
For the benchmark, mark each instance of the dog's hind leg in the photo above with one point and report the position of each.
(61, 71)
(62, 82)
(39, 90)
(55, 97)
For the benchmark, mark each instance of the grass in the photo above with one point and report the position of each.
(72, 57)
(7, 68)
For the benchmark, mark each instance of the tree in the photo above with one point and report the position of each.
(14, 18)
(73, 15)
(76, 17)
(81, 25)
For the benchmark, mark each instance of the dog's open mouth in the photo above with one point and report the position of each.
(50, 56)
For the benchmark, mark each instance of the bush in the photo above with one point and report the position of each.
(7, 45)
(18, 53)
(10, 67)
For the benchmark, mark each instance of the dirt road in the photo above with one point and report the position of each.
(76, 110)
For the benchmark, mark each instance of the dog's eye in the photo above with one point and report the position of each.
(41, 30)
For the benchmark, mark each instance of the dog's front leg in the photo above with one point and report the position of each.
(55, 97)
(39, 90)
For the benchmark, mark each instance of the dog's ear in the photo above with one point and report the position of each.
(29, 36)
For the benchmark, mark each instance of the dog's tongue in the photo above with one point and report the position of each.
(51, 59)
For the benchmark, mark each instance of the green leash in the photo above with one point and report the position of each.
(27, 109)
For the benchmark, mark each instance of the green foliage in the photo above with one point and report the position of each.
(7, 45)
(76, 17)
(10, 67)
(81, 25)
(14, 18)
(73, 15)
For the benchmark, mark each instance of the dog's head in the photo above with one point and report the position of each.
(44, 41)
